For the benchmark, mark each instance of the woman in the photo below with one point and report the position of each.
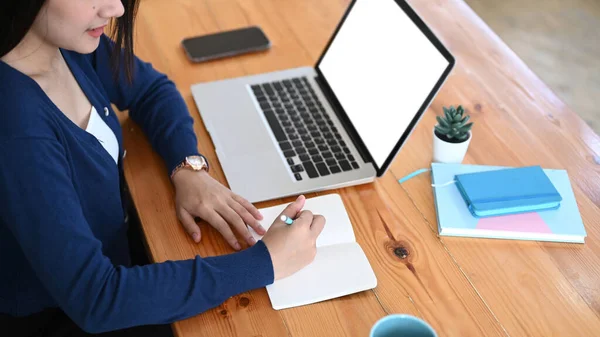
(63, 245)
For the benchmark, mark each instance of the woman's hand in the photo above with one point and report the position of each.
(199, 195)
(292, 247)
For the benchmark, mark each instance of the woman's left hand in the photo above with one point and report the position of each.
(200, 195)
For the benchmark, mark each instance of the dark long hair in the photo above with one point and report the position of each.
(17, 17)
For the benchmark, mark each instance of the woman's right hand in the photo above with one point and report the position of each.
(292, 247)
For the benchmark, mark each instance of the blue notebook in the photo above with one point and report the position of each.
(563, 224)
(508, 191)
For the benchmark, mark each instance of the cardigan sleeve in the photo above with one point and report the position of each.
(153, 102)
(42, 210)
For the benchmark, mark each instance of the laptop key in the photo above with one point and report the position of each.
(297, 176)
(354, 165)
(331, 161)
(345, 165)
(313, 151)
(310, 169)
(285, 146)
(297, 143)
(265, 105)
(279, 111)
(286, 124)
(347, 150)
(306, 138)
(317, 158)
(290, 130)
(335, 169)
(331, 142)
(319, 140)
(321, 122)
(310, 144)
(297, 168)
(290, 161)
(312, 128)
(256, 88)
(328, 135)
(350, 157)
(323, 147)
(327, 154)
(275, 127)
(340, 156)
(304, 157)
(293, 136)
(268, 89)
(323, 170)
(289, 153)
(336, 149)
(323, 127)
(342, 143)
(297, 123)
(302, 131)
(301, 150)
(278, 86)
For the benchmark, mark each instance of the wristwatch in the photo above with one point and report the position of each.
(196, 163)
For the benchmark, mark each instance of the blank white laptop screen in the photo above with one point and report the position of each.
(381, 68)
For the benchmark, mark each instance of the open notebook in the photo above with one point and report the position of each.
(340, 266)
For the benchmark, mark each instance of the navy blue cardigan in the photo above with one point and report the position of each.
(62, 232)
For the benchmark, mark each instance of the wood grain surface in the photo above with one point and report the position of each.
(461, 286)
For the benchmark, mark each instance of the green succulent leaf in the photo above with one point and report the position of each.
(460, 109)
(442, 129)
(465, 119)
(448, 115)
(443, 122)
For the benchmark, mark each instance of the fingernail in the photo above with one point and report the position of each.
(252, 240)
(262, 228)
(195, 236)
(237, 246)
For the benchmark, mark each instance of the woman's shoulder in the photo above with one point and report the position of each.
(23, 111)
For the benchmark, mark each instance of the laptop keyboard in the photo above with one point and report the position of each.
(306, 135)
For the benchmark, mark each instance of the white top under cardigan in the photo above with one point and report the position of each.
(99, 129)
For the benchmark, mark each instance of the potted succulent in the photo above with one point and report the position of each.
(451, 136)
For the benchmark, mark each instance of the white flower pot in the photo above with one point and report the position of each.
(445, 152)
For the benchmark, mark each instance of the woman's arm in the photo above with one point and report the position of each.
(153, 102)
(42, 210)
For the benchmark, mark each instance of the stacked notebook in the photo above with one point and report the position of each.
(528, 203)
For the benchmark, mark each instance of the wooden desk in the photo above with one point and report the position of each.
(463, 287)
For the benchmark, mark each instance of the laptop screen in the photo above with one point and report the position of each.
(381, 68)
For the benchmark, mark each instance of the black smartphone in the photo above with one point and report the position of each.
(227, 43)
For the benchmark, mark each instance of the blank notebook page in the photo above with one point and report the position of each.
(340, 266)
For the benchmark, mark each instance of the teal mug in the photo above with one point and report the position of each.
(398, 325)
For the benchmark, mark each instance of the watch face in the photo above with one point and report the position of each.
(195, 162)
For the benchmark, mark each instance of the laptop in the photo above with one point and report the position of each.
(337, 124)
